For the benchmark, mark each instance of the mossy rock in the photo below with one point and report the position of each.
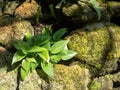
(97, 45)
(70, 78)
(101, 83)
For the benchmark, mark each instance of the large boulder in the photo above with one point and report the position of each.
(97, 46)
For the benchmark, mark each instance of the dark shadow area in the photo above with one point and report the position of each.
(116, 84)
(116, 20)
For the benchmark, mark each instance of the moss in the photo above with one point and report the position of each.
(90, 44)
(101, 83)
(95, 85)
(97, 45)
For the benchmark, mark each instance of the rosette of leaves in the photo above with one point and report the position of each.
(42, 50)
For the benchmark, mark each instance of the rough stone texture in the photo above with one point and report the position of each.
(6, 20)
(8, 81)
(5, 57)
(10, 7)
(1, 7)
(101, 83)
(97, 45)
(70, 78)
(27, 10)
(15, 31)
(81, 11)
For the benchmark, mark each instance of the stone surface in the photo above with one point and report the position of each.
(15, 31)
(10, 7)
(101, 83)
(27, 10)
(9, 81)
(5, 57)
(1, 7)
(70, 78)
(97, 45)
(80, 12)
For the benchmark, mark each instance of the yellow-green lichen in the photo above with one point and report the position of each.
(97, 44)
(95, 85)
(70, 78)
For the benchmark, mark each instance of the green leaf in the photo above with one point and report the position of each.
(17, 46)
(23, 73)
(48, 69)
(33, 65)
(28, 36)
(51, 7)
(25, 69)
(26, 65)
(41, 39)
(95, 5)
(18, 56)
(58, 34)
(58, 46)
(67, 54)
(22, 46)
(47, 46)
(31, 59)
(36, 49)
(55, 58)
(44, 55)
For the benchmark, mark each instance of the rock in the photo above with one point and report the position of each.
(70, 78)
(1, 7)
(101, 83)
(15, 31)
(9, 81)
(10, 7)
(27, 10)
(6, 20)
(5, 57)
(97, 45)
(80, 12)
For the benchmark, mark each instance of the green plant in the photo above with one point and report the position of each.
(42, 50)
(95, 5)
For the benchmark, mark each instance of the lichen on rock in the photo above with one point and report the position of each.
(97, 45)
(70, 78)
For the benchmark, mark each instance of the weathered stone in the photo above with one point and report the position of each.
(9, 81)
(80, 12)
(5, 57)
(101, 83)
(15, 31)
(1, 7)
(6, 20)
(27, 10)
(70, 78)
(10, 7)
(97, 45)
